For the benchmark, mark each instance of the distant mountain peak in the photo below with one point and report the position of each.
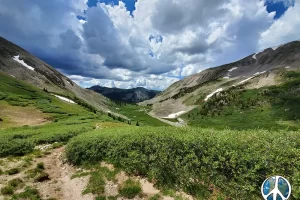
(133, 95)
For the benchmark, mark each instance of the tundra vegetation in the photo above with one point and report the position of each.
(234, 141)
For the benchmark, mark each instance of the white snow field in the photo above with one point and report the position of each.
(232, 69)
(211, 94)
(251, 77)
(65, 99)
(17, 58)
(174, 115)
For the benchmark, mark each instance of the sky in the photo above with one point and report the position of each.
(145, 43)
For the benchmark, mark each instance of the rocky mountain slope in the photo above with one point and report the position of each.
(20, 64)
(133, 95)
(254, 71)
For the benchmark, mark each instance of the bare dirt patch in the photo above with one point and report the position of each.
(14, 116)
(61, 186)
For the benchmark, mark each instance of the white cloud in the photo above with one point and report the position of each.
(282, 30)
(189, 70)
(110, 47)
(156, 82)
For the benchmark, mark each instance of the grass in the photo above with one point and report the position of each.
(130, 189)
(272, 108)
(29, 193)
(7, 190)
(38, 173)
(155, 197)
(138, 114)
(98, 176)
(96, 184)
(12, 186)
(69, 120)
(192, 159)
(13, 171)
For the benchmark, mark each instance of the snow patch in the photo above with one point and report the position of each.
(232, 69)
(254, 75)
(212, 94)
(287, 67)
(65, 99)
(17, 58)
(12, 76)
(254, 57)
(229, 72)
(174, 115)
(259, 73)
(243, 81)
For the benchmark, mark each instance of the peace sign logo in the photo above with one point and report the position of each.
(276, 188)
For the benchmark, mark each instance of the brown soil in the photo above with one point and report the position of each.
(61, 186)
(19, 116)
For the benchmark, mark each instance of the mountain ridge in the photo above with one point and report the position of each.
(256, 70)
(19, 63)
(132, 95)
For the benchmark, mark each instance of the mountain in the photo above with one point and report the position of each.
(20, 64)
(258, 70)
(133, 95)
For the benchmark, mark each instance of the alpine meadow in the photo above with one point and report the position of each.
(149, 100)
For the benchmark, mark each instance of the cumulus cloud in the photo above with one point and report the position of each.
(155, 82)
(155, 45)
(282, 30)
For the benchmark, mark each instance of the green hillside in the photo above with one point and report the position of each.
(253, 134)
(64, 120)
(272, 108)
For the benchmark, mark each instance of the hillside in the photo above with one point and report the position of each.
(133, 95)
(21, 65)
(67, 150)
(258, 70)
(271, 107)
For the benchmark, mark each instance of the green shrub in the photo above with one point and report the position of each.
(40, 166)
(155, 197)
(130, 189)
(13, 171)
(20, 141)
(101, 198)
(29, 193)
(16, 147)
(15, 182)
(7, 190)
(43, 176)
(237, 162)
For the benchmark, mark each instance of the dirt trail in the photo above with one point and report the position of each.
(61, 186)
